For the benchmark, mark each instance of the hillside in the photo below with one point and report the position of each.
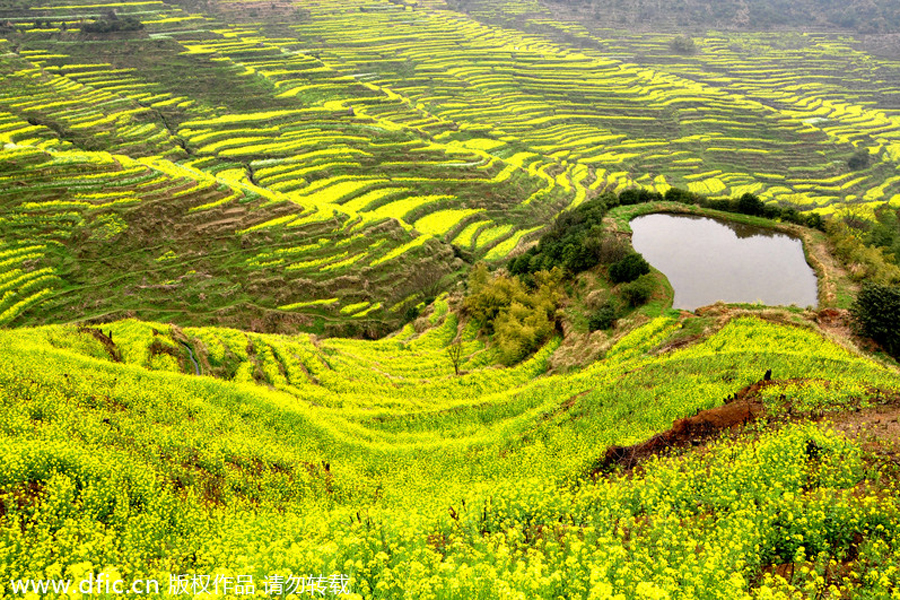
(337, 298)
(346, 162)
(877, 16)
(371, 459)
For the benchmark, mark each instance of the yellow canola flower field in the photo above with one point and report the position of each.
(373, 463)
(206, 450)
(442, 221)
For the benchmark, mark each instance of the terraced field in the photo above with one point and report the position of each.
(430, 128)
(232, 194)
(98, 235)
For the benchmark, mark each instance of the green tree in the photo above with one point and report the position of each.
(629, 268)
(750, 204)
(605, 317)
(488, 297)
(860, 160)
(639, 291)
(521, 329)
(519, 319)
(865, 263)
(679, 195)
(683, 45)
(877, 315)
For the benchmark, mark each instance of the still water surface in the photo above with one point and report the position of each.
(707, 260)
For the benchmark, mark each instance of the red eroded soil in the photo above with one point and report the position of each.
(877, 428)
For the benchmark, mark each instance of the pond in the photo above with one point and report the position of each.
(707, 260)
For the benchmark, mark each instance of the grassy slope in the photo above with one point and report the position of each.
(346, 457)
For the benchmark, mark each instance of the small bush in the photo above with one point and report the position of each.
(684, 196)
(639, 291)
(611, 249)
(112, 25)
(750, 204)
(860, 160)
(609, 199)
(877, 315)
(638, 196)
(683, 45)
(629, 268)
(605, 317)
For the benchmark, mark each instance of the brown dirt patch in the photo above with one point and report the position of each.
(740, 409)
(874, 427)
(877, 428)
(25, 496)
(671, 345)
(104, 339)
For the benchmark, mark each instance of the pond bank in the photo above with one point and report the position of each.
(712, 260)
(835, 289)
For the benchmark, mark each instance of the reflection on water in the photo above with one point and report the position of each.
(707, 260)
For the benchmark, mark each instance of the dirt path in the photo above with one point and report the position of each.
(833, 277)
(877, 429)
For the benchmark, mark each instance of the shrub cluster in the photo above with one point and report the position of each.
(605, 316)
(639, 291)
(520, 319)
(883, 234)
(629, 268)
(683, 45)
(110, 25)
(639, 196)
(865, 262)
(748, 204)
(877, 314)
(860, 160)
(573, 242)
